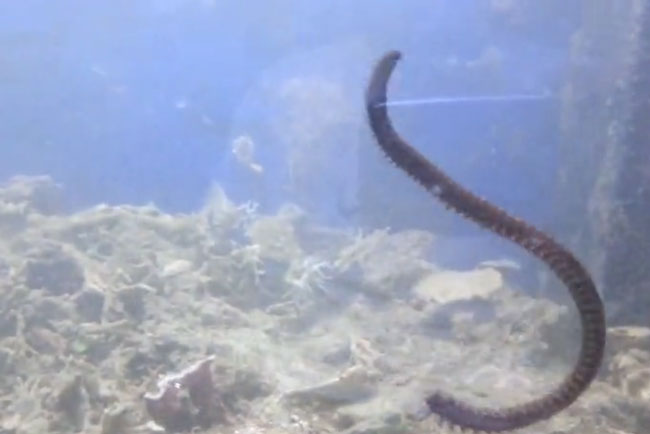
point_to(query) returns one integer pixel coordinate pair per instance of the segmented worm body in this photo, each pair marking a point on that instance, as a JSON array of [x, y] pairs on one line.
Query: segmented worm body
[[560, 260]]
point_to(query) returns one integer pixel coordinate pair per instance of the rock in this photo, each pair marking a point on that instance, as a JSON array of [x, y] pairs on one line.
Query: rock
[[54, 271], [5, 268], [507, 267], [133, 301], [45, 341], [186, 400], [38, 194], [177, 267], [453, 286], [341, 353], [90, 304], [249, 385], [223, 315], [389, 262], [13, 218], [452, 320], [354, 386], [624, 338], [51, 308], [7, 362], [390, 425], [72, 403], [117, 420], [139, 364], [630, 371], [8, 324], [10, 425]]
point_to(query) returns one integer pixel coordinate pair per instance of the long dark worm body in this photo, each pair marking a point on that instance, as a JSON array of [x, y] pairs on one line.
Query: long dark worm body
[[561, 261]]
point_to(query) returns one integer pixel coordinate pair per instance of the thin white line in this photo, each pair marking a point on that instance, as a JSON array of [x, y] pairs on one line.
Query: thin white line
[[468, 99]]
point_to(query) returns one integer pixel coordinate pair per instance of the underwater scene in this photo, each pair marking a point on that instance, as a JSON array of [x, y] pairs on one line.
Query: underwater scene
[[325, 216]]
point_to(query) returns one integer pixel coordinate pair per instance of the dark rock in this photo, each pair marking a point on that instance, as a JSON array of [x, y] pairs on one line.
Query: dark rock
[[8, 324], [54, 271], [90, 304], [132, 299]]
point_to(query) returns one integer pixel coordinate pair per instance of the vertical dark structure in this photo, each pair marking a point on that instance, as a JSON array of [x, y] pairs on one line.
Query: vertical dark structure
[[602, 186], [626, 234]]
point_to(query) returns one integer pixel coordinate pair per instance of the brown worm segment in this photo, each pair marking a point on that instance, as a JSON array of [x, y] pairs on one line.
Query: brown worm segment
[[569, 270]]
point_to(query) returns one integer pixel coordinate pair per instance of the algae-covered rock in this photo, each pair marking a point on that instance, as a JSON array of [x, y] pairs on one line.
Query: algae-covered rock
[[335, 334], [453, 286], [38, 194], [54, 271], [90, 304], [276, 237], [389, 262]]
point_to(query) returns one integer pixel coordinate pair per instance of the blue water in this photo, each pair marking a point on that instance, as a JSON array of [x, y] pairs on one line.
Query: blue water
[[138, 101]]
